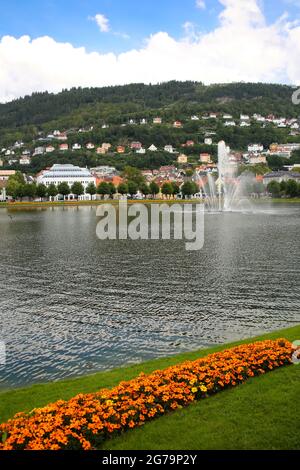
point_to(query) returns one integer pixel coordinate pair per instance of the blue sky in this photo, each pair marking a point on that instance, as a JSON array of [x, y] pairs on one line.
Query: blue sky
[[68, 20], [52, 44]]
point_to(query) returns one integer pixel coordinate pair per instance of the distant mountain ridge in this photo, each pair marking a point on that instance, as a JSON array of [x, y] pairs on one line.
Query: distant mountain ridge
[[84, 106]]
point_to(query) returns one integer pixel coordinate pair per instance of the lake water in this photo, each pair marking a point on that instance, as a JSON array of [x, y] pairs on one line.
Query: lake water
[[71, 304]]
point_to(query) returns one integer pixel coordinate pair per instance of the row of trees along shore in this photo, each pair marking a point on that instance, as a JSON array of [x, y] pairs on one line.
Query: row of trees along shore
[[288, 188], [19, 189]]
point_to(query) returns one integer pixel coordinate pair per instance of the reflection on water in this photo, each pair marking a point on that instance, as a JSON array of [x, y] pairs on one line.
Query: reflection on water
[[71, 304]]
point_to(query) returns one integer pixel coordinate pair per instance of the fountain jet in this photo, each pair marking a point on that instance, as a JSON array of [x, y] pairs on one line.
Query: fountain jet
[[228, 192]]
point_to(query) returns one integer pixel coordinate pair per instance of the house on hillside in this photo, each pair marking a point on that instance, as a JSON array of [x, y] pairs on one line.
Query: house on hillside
[[255, 148], [157, 120], [90, 146], [152, 148], [205, 158], [136, 145], [63, 147], [76, 147], [258, 159], [106, 146], [62, 136], [25, 160], [177, 124], [169, 148], [121, 149], [182, 159], [38, 151]]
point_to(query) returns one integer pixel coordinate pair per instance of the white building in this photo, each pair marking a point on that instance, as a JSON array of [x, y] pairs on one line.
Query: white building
[[169, 148], [255, 148], [76, 147], [25, 160], [230, 124], [152, 148], [259, 118], [69, 174], [102, 171], [141, 151], [39, 151], [90, 146]]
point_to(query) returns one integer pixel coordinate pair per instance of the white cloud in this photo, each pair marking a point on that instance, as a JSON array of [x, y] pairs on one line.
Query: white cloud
[[242, 47], [200, 4], [102, 22]]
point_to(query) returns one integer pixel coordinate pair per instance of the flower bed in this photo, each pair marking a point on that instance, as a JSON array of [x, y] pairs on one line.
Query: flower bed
[[85, 421]]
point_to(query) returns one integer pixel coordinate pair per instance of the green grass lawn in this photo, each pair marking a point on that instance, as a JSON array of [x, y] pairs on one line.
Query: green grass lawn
[[263, 413]]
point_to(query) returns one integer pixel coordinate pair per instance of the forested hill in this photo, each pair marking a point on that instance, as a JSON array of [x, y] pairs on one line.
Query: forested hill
[[80, 107]]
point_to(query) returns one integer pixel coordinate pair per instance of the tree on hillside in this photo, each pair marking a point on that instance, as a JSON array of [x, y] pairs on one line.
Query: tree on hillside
[[189, 172], [133, 174]]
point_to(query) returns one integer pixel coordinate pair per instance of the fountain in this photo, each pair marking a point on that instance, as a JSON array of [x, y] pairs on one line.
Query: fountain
[[227, 193]]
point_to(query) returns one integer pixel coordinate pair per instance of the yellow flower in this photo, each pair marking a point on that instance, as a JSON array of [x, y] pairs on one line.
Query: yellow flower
[[203, 388], [109, 402], [194, 389]]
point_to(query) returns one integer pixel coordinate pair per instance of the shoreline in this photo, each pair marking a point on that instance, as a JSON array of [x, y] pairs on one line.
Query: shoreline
[[37, 204], [45, 204], [26, 398]]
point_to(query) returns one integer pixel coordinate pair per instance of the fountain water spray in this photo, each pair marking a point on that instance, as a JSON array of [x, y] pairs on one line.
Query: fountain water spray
[[228, 192]]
